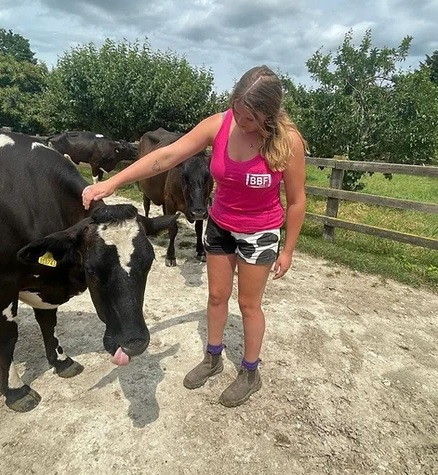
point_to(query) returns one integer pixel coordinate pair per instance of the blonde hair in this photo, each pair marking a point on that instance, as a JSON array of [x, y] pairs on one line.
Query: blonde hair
[[261, 92]]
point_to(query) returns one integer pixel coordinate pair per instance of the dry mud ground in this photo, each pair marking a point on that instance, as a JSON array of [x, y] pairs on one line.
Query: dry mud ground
[[349, 366]]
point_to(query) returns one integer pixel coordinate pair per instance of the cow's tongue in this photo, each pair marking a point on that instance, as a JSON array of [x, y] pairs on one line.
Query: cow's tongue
[[120, 358]]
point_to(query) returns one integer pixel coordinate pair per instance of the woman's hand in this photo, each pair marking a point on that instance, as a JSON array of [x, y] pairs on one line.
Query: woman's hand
[[282, 264], [97, 192]]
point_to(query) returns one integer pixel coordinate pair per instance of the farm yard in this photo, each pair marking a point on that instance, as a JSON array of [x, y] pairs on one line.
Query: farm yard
[[349, 367]]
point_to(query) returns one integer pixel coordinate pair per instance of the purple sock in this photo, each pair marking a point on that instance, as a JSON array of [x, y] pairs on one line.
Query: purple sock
[[215, 349], [250, 366]]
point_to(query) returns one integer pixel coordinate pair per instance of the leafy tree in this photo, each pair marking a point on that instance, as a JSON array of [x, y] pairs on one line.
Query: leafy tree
[[125, 89], [295, 98], [356, 77], [12, 44], [346, 114], [411, 128], [431, 64], [21, 86]]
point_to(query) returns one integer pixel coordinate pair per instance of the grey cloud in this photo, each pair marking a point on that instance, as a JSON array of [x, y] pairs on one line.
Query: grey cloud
[[228, 36]]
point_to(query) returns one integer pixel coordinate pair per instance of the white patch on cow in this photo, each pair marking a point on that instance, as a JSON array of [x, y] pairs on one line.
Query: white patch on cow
[[35, 301], [60, 356], [14, 381], [6, 140], [38, 144], [122, 236], [99, 136], [36, 276], [7, 312], [95, 179]]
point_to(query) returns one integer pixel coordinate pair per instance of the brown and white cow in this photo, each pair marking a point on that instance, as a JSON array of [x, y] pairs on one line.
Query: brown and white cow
[[186, 188], [51, 249]]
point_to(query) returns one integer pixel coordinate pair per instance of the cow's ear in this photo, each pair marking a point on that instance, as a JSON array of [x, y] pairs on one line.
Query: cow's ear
[[55, 249], [154, 226]]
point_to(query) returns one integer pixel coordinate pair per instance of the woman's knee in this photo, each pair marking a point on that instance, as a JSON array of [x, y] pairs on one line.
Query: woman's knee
[[218, 298], [248, 307]]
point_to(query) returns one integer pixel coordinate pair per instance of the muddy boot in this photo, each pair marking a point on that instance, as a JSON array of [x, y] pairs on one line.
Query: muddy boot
[[209, 366], [246, 383]]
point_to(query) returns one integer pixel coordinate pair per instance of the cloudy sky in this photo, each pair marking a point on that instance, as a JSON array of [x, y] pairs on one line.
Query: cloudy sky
[[228, 36]]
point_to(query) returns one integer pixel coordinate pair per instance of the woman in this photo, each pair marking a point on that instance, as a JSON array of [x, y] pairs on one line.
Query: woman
[[255, 147]]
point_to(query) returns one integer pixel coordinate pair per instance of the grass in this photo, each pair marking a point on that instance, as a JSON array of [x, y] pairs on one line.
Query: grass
[[412, 265], [405, 263]]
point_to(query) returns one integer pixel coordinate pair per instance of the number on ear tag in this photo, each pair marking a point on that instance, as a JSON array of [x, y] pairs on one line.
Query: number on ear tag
[[47, 259]]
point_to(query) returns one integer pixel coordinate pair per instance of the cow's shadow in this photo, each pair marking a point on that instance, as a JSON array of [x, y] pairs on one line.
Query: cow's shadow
[[139, 380]]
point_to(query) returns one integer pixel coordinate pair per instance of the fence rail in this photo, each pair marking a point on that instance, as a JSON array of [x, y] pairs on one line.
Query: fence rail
[[335, 195]]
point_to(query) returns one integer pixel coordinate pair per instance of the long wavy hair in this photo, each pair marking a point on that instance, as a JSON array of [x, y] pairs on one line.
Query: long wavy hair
[[261, 92]]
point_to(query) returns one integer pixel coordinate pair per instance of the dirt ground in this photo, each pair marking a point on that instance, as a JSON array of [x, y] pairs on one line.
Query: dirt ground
[[349, 368]]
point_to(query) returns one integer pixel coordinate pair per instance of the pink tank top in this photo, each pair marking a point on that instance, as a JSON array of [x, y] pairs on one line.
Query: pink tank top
[[247, 196]]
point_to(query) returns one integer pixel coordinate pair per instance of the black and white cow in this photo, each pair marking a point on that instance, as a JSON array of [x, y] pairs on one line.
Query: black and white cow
[[101, 152], [51, 249]]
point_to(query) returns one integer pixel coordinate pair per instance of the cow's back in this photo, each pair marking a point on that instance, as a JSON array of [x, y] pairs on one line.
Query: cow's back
[[154, 187], [80, 146], [40, 191]]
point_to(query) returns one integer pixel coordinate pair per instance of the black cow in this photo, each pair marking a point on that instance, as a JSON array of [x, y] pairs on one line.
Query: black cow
[[185, 188], [52, 249], [101, 152]]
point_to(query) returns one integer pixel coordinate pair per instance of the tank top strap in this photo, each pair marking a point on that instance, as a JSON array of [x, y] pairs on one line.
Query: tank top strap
[[221, 138]]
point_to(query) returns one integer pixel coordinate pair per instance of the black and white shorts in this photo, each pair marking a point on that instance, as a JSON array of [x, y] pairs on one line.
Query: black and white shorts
[[254, 248]]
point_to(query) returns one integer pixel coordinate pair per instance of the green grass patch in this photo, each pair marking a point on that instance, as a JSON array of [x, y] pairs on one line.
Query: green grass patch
[[405, 263]]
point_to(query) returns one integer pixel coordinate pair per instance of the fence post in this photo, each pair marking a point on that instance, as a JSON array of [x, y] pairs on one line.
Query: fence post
[[336, 179]]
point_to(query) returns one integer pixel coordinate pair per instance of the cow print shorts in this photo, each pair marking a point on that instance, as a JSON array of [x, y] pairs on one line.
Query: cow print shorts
[[255, 248]]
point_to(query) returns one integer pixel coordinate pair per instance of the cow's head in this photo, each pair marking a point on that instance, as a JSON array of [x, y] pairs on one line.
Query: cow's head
[[111, 254], [127, 150], [197, 185]]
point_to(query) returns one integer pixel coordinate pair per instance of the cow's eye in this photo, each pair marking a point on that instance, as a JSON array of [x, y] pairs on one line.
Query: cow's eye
[[90, 269]]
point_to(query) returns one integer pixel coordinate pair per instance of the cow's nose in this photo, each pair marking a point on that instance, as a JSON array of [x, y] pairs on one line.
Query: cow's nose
[[136, 347], [199, 213]]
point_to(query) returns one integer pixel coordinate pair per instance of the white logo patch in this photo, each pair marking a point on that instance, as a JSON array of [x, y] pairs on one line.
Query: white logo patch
[[122, 236], [258, 180]]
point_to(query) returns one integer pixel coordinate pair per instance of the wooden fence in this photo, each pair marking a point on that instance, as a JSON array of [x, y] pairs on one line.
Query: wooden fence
[[335, 195]]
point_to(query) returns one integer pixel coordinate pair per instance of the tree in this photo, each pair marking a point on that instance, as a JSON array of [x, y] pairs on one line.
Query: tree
[[21, 86], [125, 89], [411, 131], [356, 77], [12, 44], [431, 64], [348, 113]]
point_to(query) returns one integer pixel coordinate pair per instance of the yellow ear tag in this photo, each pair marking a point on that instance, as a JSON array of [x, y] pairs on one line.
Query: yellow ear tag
[[47, 260]]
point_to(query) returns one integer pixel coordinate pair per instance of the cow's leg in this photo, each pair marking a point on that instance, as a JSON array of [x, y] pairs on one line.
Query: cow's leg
[[19, 396], [63, 364], [170, 253], [146, 205], [200, 251], [97, 174], [169, 208]]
